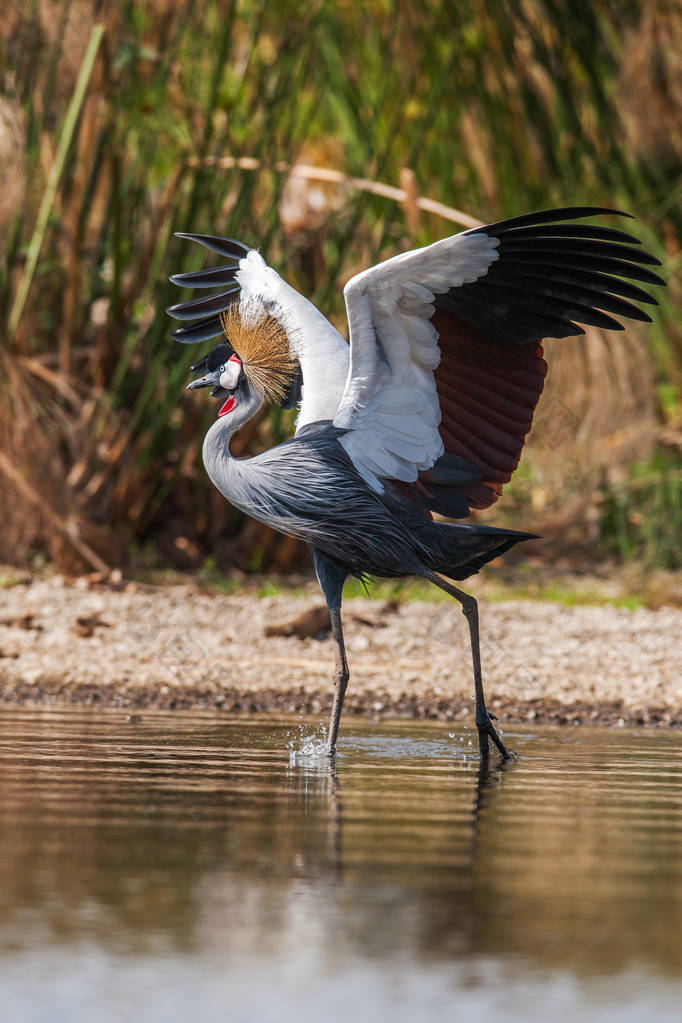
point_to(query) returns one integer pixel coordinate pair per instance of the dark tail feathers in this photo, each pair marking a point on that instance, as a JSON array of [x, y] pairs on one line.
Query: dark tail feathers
[[462, 550]]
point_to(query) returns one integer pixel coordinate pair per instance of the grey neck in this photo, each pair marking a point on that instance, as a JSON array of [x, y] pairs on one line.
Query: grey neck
[[216, 448]]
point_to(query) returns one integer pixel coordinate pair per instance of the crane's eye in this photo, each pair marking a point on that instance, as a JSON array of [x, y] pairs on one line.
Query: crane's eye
[[229, 374]]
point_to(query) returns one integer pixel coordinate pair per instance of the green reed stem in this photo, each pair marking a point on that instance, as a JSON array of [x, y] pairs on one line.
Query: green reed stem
[[55, 174]]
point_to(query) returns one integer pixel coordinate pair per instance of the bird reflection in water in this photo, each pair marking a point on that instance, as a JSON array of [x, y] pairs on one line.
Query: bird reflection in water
[[323, 777]]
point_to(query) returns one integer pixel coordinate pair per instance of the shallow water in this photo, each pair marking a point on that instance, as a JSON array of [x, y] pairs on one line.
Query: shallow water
[[175, 866]]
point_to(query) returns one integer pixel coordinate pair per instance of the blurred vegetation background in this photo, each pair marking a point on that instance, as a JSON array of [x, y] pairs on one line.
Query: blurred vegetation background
[[121, 123]]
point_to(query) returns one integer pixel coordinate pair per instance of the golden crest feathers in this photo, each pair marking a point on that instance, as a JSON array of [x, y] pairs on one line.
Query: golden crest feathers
[[263, 347]]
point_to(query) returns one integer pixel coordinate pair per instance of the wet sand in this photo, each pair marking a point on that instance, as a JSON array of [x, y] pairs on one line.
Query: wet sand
[[177, 647]]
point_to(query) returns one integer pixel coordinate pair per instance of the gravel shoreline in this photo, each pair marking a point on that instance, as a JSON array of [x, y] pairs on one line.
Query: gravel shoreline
[[177, 647]]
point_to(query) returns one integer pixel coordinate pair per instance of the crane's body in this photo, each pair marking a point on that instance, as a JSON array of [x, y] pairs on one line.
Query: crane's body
[[426, 411], [328, 504]]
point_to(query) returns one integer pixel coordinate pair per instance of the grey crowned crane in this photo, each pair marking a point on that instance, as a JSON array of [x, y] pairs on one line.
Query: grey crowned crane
[[426, 410]]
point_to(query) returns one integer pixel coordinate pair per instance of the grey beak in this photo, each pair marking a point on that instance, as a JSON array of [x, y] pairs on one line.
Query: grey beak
[[210, 380]]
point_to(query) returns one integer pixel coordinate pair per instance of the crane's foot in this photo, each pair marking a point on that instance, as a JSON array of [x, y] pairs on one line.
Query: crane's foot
[[486, 732]]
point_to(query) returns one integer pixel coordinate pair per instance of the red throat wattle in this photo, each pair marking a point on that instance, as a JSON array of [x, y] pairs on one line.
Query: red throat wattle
[[228, 406]]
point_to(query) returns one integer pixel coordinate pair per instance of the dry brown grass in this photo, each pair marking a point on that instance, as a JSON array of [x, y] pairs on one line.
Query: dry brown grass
[[12, 163], [650, 82]]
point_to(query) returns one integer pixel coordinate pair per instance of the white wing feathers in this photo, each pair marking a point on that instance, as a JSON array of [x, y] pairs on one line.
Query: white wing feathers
[[390, 403], [320, 349]]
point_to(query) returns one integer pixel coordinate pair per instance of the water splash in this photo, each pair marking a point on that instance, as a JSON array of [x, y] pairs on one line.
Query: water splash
[[305, 746], [464, 743]]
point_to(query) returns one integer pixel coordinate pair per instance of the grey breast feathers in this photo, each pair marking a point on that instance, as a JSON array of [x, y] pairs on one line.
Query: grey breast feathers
[[308, 487]]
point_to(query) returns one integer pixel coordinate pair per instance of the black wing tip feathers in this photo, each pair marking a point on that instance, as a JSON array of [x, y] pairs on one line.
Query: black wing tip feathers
[[217, 243], [212, 277], [551, 216], [198, 332], [582, 231], [206, 329], [198, 307], [550, 277], [578, 246]]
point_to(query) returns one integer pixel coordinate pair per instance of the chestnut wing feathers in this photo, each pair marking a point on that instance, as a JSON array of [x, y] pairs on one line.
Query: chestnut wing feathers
[[530, 278]]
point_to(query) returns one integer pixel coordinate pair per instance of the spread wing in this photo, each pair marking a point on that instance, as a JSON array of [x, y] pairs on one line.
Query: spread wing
[[248, 280], [446, 347]]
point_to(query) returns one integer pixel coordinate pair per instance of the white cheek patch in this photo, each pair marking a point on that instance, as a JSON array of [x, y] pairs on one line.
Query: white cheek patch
[[230, 375]]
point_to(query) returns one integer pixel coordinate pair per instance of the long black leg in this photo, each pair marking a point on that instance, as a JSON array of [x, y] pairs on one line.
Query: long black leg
[[331, 578], [341, 676], [484, 723]]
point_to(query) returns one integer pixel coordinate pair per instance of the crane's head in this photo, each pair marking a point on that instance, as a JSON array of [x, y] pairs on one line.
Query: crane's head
[[253, 363], [223, 372]]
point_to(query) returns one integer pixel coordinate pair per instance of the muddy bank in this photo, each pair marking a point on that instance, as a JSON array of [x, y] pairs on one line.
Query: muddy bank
[[177, 647]]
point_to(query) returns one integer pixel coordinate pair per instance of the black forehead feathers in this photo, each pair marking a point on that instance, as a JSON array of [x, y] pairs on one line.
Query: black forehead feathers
[[216, 357]]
